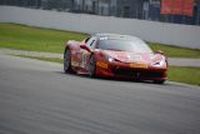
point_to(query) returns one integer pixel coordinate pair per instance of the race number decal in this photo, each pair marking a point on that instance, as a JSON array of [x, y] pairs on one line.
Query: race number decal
[[84, 59]]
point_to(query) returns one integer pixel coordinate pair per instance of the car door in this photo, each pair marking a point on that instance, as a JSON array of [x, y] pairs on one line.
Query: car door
[[76, 53], [85, 55]]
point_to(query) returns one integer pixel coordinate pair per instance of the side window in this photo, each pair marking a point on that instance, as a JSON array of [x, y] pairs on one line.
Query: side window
[[91, 42], [86, 40]]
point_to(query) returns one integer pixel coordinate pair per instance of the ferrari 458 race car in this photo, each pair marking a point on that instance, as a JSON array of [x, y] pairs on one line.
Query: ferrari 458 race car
[[115, 56]]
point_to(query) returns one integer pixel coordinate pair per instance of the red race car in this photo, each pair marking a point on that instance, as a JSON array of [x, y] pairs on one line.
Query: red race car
[[113, 55]]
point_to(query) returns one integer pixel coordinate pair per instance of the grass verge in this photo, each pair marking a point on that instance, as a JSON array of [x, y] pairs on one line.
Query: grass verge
[[188, 75], [23, 37], [35, 39], [173, 51]]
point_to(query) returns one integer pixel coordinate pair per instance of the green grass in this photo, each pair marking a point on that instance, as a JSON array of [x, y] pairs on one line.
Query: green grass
[[35, 39], [189, 75], [23, 37], [173, 51]]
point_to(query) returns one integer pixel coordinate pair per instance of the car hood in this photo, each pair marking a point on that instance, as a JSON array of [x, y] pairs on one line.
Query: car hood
[[132, 57]]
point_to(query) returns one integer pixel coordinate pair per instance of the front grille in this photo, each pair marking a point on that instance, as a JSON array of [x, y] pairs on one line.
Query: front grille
[[124, 72], [138, 74], [152, 74]]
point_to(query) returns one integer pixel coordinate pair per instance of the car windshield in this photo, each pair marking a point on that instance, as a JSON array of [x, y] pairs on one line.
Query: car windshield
[[138, 46]]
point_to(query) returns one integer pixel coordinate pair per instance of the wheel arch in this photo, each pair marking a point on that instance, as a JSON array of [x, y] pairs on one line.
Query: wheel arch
[[67, 46]]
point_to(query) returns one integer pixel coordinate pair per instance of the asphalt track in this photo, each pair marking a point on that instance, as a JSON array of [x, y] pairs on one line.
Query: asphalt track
[[38, 98]]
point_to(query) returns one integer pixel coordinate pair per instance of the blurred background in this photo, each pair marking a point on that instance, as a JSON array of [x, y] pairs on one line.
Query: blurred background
[[171, 11]]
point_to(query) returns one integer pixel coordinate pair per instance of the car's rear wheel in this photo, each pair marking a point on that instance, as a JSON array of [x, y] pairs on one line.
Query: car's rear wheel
[[159, 81], [67, 61], [92, 67]]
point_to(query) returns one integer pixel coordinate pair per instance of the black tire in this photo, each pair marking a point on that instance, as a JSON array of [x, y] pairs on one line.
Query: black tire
[[159, 81], [67, 61], [92, 67]]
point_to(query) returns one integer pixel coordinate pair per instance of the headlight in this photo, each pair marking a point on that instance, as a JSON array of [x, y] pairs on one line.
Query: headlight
[[109, 58], [159, 63]]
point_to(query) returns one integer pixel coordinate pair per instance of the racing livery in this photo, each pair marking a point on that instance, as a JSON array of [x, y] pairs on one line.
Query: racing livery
[[113, 55]]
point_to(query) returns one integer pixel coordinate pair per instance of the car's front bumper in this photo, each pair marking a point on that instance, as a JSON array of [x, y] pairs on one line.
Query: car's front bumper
[[129, 71]]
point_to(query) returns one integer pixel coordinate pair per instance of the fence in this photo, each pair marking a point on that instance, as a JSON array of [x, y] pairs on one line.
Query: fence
[[173, 34]]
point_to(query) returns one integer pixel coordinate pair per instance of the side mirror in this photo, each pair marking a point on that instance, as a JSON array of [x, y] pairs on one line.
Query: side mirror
[[83, 46], [159, 52]]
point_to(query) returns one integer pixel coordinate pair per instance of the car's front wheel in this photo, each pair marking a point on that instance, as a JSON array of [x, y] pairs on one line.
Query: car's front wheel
[[92, 67], [67, 61]]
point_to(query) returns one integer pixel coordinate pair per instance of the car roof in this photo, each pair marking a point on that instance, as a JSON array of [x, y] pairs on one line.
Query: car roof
[[115, 36]]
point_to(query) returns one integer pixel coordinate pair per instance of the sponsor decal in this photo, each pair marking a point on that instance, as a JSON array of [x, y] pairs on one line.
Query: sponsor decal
[[103, 38], [136, 57], [102, 64], [74, 63], [138, 65]]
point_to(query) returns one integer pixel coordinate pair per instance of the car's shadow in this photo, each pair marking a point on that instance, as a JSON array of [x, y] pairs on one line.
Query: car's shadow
[[110, 79]]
